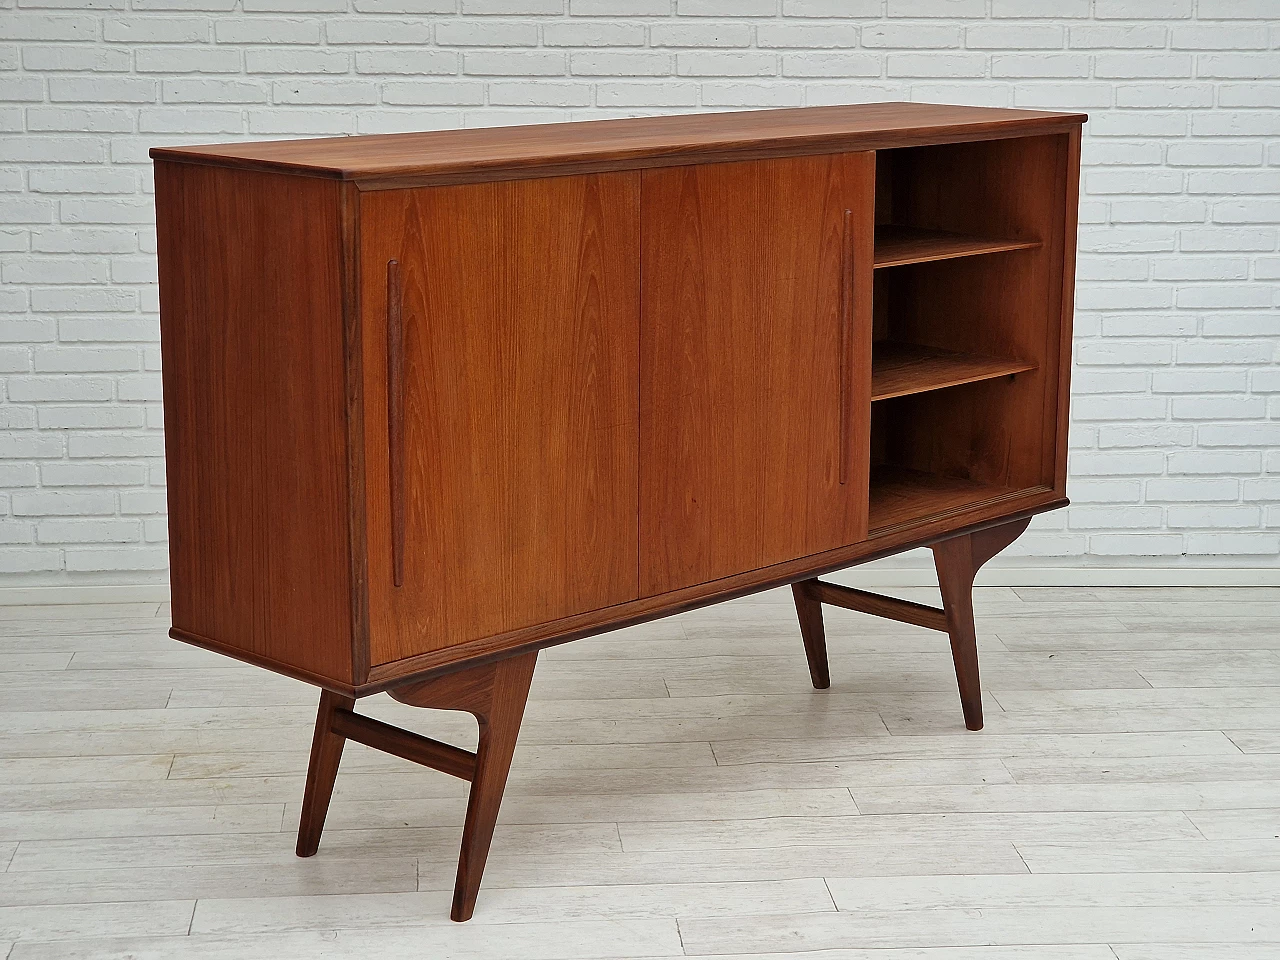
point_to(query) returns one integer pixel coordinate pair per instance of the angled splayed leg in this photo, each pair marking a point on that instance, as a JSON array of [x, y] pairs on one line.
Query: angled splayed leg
[[809, 611], [326, 753], [958, 561], [495, 693]]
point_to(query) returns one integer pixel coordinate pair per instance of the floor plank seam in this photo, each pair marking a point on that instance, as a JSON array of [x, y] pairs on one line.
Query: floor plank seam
[[830, 896], [1025, 866], [1234, 744]]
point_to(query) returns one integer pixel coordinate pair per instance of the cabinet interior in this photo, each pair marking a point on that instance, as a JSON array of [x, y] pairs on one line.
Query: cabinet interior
[[966, 321]]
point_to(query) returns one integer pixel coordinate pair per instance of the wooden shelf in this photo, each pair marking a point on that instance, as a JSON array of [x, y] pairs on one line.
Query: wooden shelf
[[897, 245], [900, 495], [898, 369]]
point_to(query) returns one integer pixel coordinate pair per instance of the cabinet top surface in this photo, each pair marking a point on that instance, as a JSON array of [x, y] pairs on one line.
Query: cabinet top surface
[[504, 152]]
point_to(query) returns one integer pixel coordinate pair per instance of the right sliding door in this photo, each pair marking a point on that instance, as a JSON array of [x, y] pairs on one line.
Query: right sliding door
[[974, 246], [754, 364]]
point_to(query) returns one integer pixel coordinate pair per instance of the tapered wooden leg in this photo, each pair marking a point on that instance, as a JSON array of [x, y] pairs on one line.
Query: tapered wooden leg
[[809, 612], [498, 732], [496, 694], [326, 753], [958, 561]]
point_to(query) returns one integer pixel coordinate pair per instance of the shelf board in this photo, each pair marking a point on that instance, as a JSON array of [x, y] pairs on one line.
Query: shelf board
[[898, 369], [897, 245], [901, 495]]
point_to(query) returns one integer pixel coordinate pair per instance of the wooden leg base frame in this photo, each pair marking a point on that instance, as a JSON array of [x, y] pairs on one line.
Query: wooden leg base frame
[[495, 693], [958, 560]]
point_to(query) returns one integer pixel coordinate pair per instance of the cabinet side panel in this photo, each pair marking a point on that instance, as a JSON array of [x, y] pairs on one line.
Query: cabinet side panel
[[1061, 415], [252, 347]]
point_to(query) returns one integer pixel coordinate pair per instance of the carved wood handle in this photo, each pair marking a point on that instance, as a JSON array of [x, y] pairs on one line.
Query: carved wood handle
[[395, 417], [846, 336]]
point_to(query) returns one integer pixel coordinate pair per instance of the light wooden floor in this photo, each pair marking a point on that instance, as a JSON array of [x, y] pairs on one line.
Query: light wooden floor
[[679, 790]]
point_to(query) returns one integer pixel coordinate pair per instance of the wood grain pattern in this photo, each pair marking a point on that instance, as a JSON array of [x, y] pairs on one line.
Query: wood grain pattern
[[402, 159], [253, 391], [741, 365], [520, 319], [897, 245], [898, 369]]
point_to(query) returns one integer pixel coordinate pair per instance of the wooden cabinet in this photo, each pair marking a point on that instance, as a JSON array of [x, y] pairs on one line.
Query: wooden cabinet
[[755, 364], [435, 401]]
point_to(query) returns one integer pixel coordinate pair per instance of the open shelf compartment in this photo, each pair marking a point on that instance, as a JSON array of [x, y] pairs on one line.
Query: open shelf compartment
[[898, 244], [964, 346]]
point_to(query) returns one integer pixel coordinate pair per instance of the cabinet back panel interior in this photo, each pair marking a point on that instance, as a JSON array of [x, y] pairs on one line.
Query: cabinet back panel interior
[[519, 308], [255, 435]]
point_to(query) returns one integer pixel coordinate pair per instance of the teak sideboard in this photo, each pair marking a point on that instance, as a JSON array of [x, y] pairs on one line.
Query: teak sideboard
[[436, 400]]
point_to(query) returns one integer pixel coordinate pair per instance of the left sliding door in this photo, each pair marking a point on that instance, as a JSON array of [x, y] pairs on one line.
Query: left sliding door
[[501, 346]]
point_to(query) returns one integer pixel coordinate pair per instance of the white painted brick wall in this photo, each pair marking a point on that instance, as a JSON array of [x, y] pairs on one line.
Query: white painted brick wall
[[1176, 440]]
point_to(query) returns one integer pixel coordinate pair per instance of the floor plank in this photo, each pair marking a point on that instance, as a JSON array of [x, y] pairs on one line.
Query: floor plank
[[23, 825], [1167, 856], [914, 828], [515, 905], [585, 940], [720, 864], [925, 926], [77, 921], [123, 884]]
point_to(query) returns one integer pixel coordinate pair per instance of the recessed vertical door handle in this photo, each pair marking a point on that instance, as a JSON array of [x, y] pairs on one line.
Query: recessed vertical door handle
[[846, 339], [395, 417]]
